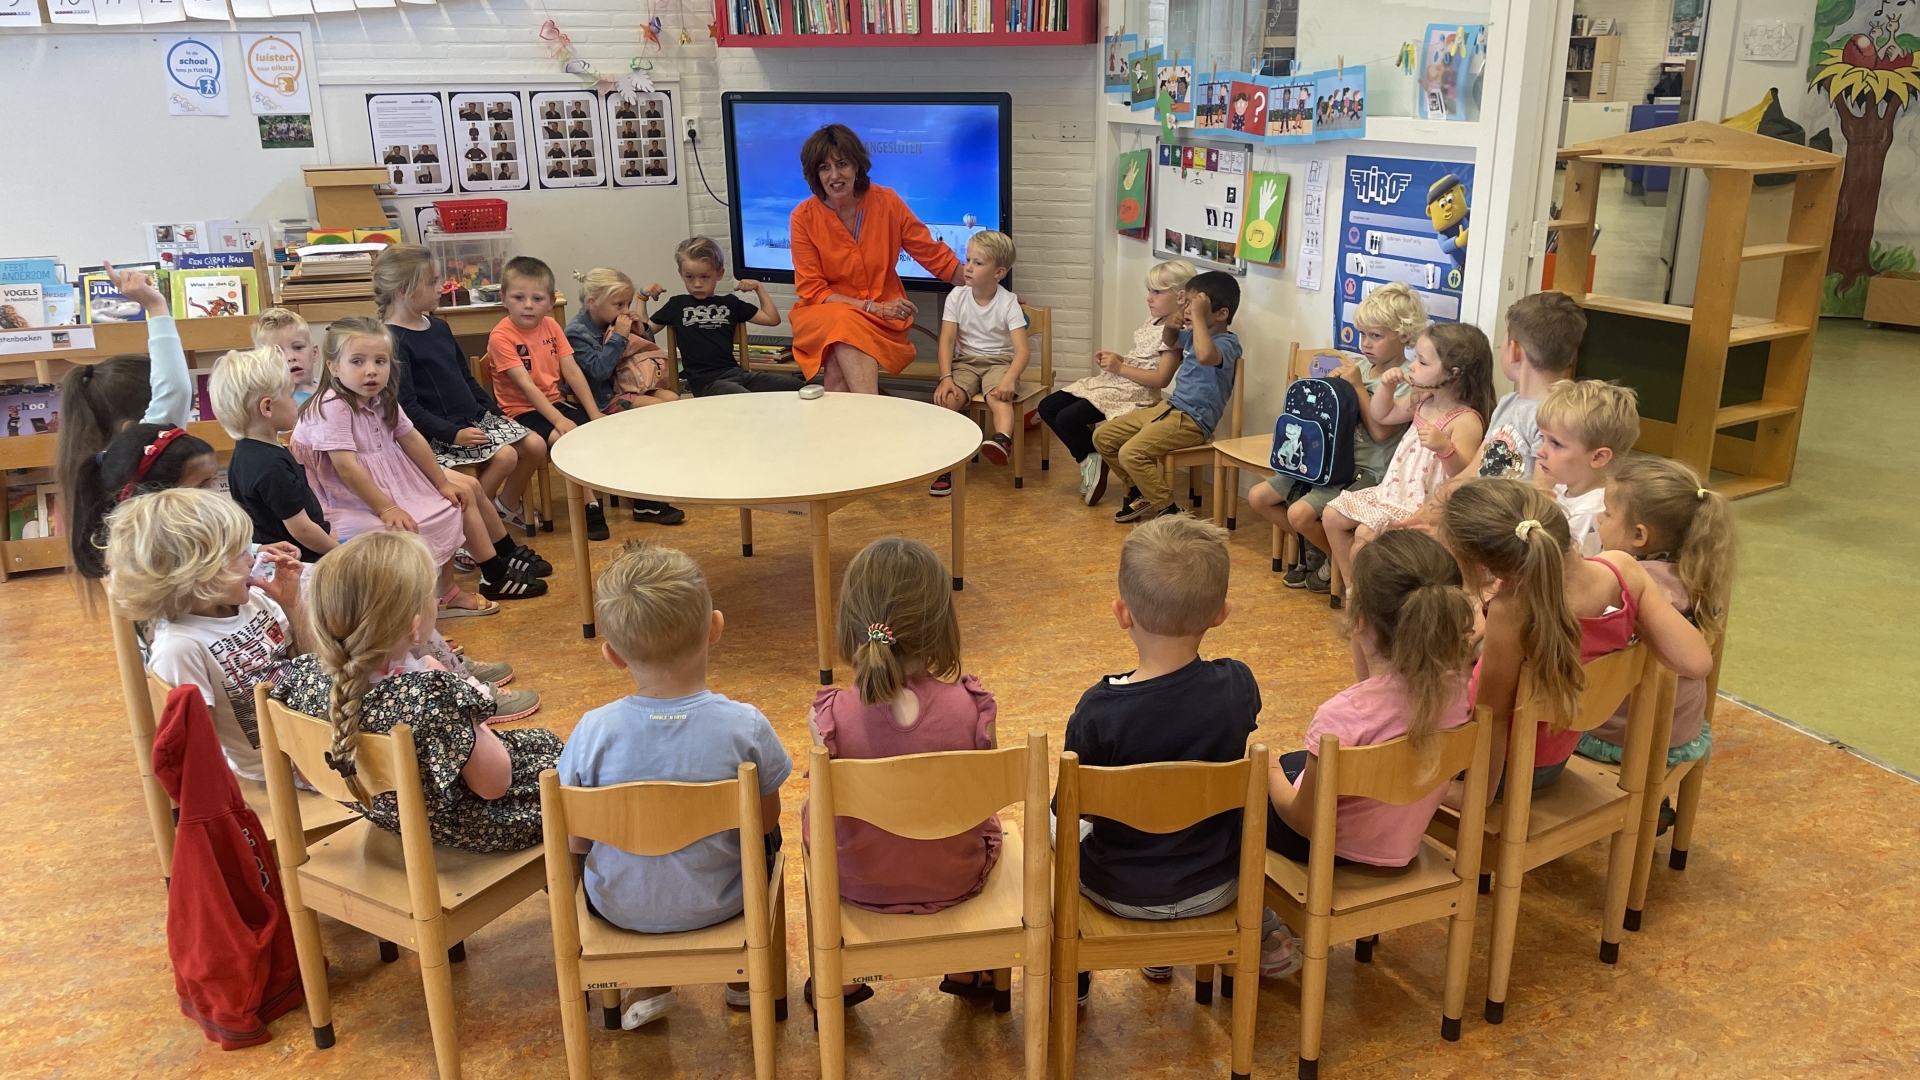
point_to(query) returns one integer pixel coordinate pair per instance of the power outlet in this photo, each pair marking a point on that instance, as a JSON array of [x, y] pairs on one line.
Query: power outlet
[[690, 130]]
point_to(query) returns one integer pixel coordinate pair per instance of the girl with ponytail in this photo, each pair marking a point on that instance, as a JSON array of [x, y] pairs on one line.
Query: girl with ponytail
[[1411, 627], [1681, 533], [898, 629], [372, 600], [1553, 609]]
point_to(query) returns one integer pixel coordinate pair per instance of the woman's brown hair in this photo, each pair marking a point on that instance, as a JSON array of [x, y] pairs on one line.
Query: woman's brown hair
[[896, 606], [1513, 531], [835, 140], [1407, 589], [1692, 520]]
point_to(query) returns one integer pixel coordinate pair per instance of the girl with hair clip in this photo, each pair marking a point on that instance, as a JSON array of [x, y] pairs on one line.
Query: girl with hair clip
[[1681, 533], [371, 600], [607, 334], [1452, 378], [897, 627], [1552, 608], [373, 470]]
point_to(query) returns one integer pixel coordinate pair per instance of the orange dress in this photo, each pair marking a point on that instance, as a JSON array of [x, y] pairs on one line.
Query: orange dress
[[827, 259]]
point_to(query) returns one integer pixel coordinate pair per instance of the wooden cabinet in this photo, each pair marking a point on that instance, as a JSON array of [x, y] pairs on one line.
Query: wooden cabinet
[[1593, 67]]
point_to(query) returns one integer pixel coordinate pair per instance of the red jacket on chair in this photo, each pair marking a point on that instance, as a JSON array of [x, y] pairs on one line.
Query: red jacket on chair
[[234, 965]]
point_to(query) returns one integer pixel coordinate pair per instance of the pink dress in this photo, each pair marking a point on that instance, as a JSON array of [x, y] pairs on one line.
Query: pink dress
[[1411, 477], [333, 424], [892, 874]]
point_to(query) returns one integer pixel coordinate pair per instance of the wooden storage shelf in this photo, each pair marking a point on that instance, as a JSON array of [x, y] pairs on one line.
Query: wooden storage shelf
[[1081, 29], [1732, 160], [44, 553]]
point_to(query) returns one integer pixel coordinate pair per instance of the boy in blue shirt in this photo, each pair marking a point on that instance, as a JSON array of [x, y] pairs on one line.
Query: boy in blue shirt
[[653, 606], [1204, 352]]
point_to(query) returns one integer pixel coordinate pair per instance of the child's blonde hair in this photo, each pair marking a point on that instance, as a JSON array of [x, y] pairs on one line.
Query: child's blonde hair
[[1173, 575], [1394, 308], [341, 333], [172, 549], [1172, 274], [701, 249], [601, 282], [653, 604], [397, 270], [996, 246], [1692, 520], [240, 379], [1602, 414], [361, 607], [273, 320], [896, 605], [1407, 588], [1513, 531]]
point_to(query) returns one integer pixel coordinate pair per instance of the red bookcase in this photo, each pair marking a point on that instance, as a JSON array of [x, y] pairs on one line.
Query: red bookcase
[[1081, 15]]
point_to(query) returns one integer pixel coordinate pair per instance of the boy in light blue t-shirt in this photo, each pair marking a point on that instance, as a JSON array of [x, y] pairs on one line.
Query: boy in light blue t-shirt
[[654, 607]]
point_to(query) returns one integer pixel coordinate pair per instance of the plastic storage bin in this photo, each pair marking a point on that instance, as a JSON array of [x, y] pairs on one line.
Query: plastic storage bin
[[471, 259]]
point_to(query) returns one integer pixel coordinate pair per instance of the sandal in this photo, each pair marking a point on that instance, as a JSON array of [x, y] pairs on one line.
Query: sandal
[[863, 993], [448, 611], [980, 989]]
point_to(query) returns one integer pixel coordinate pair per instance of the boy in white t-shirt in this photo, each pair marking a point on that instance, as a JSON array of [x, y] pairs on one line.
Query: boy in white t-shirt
[[983, 346], [1585, 427]]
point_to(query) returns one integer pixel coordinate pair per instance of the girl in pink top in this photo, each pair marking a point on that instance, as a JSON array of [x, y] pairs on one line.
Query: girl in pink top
[[372, 470], [1411, 627], [897, 627], [1553, 609]]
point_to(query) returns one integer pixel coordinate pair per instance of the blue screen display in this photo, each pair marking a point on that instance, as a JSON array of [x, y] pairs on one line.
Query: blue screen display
[[943, 158]]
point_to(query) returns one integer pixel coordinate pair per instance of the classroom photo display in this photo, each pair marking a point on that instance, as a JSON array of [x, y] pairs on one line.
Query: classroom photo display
[[409, 133], [639, 136], [568, 139], [489, 140]]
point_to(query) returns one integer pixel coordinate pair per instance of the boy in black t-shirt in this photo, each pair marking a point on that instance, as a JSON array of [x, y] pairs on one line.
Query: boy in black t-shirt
[[703, 324], [252, 392], [1173, 706]]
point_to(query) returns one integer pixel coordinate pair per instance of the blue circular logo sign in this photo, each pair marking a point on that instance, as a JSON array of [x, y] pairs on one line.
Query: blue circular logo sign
[[195, 65]]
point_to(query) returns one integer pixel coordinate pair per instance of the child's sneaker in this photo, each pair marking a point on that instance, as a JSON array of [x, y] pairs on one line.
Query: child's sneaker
[[499, 673], [1093, 479], [998, 450], [657, 513], [1320, 581], [738, 999], [1299, 574], [1139, 508], [596, 522], [1158, 974], [647, 1010], [514, 585], [1086, 985], [509, 705], [942, 486], [1280, 954], [525, 559]]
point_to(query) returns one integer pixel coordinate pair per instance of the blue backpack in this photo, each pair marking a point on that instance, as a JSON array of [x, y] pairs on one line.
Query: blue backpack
[[1313, 438]]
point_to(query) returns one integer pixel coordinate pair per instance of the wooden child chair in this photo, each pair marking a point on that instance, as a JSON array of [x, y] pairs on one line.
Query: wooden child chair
[[656, 818], [1359, 903], [1525, 830], [1193, 458], [400, 888], [929, 797], [541, 518], [1681, 783], [1159, 798], [1034, 385]]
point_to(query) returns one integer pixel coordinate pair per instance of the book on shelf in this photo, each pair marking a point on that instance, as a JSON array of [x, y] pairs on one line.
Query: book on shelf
[[21, 305], [29, 409], [105, 303], [756, 17], [207, 294], [61, 303], [820, 16], [42, 270], [890, 16]]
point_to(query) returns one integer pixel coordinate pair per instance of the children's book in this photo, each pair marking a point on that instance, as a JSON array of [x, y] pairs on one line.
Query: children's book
[[106, 303], [207, 294], [21, 305], [216, 260], [61, 303], [42, 271]]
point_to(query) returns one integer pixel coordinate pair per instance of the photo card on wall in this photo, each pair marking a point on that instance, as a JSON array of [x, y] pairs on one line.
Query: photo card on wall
[[568, 136], [409, 133], [489, 132], [641, 137]]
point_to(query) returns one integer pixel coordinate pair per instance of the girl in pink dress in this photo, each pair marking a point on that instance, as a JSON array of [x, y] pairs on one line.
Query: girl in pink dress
[[1452, 376], [898, 629], [372, 470]]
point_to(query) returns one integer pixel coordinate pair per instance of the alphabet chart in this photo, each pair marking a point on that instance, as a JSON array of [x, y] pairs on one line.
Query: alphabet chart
[[1199, 203]]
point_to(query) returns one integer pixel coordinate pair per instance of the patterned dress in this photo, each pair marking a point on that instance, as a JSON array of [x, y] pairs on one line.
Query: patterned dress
[[442, 710], [1114, 394]]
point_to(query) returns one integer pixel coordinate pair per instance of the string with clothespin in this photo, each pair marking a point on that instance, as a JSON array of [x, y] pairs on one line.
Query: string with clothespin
[[637, 80]]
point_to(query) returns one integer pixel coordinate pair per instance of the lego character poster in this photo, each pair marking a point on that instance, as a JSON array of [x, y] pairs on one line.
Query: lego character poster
[[1402, 220]]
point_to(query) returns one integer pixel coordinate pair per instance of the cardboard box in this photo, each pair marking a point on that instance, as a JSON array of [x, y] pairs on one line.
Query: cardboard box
[[1894, 297]]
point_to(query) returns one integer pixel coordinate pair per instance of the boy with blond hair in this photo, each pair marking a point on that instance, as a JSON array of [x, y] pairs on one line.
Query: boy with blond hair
[[252, 391], [658, 619], [1585, 427], [288, 331], [1173, 706], [983, 345]]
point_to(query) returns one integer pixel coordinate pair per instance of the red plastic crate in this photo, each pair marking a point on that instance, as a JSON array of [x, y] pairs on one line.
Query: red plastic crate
[[471, 215]]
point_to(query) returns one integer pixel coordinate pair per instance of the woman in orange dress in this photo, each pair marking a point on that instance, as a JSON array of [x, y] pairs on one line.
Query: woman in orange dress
[[852, 315]]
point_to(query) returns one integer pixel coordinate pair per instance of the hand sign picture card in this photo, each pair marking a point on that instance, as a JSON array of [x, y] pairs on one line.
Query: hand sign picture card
[[1263, 232]]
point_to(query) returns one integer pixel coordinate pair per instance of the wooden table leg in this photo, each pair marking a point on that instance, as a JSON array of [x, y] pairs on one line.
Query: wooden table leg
[[1219, 492], [582, 561], [746, 533], [959, 500], [822, 589]]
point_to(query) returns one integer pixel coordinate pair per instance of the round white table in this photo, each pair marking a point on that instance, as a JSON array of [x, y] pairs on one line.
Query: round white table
[[766, 451]]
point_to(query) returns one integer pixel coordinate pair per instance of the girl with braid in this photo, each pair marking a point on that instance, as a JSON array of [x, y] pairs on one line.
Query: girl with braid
[[371, 600]]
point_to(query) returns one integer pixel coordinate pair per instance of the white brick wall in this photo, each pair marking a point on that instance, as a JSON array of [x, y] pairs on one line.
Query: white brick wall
[[1642, 26]]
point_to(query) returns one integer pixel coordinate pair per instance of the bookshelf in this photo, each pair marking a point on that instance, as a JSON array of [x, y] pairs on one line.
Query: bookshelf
[[1593, 65], [851, 19]]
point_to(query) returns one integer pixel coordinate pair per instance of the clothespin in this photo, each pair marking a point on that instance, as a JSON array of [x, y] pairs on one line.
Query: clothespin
[[1340, 62]]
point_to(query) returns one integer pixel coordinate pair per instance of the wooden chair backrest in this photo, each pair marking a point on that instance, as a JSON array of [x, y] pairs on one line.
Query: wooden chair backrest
[[482, 371], [932, 796], [672, 347], [1040, 323], [656, 817], [1160, 798], [157, 691], [307, 739], [1300, 361], [1610, 679], [1391, 771]]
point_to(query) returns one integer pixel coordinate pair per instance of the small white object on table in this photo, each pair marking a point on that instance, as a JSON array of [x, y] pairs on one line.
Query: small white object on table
[[767, 451]]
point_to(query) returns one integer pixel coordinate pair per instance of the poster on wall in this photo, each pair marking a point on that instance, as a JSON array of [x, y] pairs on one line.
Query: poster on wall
[[196, 75], [1263, 232], [1210, 99], [567, 134], [1199, 201], [1402, 220], [1247, 107], [409, 133], [640, 132], [276, 68], [490, 141], [1130, 193]]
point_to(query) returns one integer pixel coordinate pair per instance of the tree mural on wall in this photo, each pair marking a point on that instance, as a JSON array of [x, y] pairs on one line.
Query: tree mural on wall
[[1868, 75]]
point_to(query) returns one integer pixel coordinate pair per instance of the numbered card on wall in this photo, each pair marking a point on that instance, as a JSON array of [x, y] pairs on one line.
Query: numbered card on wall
[[71, 12], [155, 12], [566, 139], [196, 74], [19, 13], [409, 134], [116, 12], [249, 9], [489, 141], [640, 138], [215, 10]]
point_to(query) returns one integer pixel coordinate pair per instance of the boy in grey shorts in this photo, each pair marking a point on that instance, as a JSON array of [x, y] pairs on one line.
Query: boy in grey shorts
[[983, 346]]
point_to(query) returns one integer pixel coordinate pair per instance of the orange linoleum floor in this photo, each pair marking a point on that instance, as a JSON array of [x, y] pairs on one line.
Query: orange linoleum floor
[[1788, 948]]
